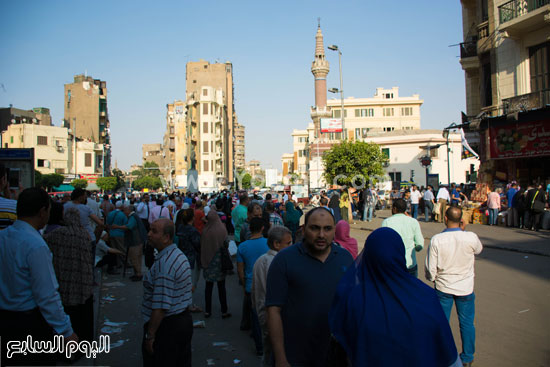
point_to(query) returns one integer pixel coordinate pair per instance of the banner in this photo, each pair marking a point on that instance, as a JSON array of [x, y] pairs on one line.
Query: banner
[[467, 151], [331, 125], [520, 140]]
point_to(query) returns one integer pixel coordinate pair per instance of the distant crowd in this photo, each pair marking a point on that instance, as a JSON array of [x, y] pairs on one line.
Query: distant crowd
[[310, 298]]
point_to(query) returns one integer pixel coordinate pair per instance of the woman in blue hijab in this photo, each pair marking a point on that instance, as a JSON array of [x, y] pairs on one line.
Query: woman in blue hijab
[[382, 316]]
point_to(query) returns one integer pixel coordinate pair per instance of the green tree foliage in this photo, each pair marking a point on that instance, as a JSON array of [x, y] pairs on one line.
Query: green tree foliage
[[119, 175], [247, 181], [149, 169], [38, 179], [107, 183], [79, 183], [51, 180], [149, 182], [349, 160]]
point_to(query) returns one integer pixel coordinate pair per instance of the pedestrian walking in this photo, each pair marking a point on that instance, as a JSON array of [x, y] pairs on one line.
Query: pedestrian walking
[[429, 202], [416, 195], [512, 213], [342, 237], [29, 301], [382, 316], [73, 263], [292, 218], [278, 239], [369, 200], [239, 215], [168, 327], [134, 238], [189, 242], [213, 240], [493, 205], [301, 283], [450, 265], [248, 252], [443, 198], [345, 206], [409, 230]]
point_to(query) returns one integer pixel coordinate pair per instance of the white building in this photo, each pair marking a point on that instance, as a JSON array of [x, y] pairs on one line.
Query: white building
[[50, 145], [271, 176]]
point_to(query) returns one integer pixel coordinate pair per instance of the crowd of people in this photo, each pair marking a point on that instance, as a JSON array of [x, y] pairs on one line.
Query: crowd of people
[[308, 296]]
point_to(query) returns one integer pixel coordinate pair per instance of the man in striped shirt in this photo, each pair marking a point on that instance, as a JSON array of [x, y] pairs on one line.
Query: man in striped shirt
[[166, 297]]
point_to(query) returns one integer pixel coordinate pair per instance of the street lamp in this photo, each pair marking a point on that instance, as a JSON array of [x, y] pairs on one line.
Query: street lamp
[[446, 136], [335, 90]]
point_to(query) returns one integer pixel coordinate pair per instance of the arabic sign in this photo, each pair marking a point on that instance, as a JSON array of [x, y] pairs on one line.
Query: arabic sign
[[520, 140], [331, 125]]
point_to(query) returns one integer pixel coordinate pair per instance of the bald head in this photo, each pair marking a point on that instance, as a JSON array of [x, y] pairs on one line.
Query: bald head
[[161, 233], [454, 214]]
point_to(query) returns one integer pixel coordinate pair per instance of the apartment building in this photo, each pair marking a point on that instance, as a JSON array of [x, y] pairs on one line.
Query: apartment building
[[86, 113], [152, 153], [505, 56], [12, 115], [239, 146]]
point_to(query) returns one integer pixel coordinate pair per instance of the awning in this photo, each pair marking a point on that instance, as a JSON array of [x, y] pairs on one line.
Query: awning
[[63, 188]]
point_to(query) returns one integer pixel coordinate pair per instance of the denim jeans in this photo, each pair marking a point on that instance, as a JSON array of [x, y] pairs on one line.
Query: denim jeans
[[367, 212], [428, 208], [465, 308], [493, 216], [414, 210]]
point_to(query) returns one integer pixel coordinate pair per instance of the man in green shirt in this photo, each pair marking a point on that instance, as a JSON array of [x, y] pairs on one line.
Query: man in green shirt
[[239, 215], [409, 230]]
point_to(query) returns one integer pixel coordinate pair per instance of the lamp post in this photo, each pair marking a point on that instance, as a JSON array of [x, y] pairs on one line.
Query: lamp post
[[335, 90], [446, 136]]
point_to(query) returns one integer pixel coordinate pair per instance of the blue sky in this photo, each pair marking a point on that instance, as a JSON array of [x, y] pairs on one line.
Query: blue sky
[[141, 48]]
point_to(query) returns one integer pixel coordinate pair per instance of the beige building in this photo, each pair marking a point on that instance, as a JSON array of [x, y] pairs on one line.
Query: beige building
[[386, 111], [152, 153], [51, 145], [253, 168], [505, 54], [37, 116], [86, 112], [200, 131], [287, 161], [239, 146]]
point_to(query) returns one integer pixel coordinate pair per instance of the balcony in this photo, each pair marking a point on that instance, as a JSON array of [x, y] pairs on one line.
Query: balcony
[[483, 30], [522, 16], [468, 49], [526, 102]]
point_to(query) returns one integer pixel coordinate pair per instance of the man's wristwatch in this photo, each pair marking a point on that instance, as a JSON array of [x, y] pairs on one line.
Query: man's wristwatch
[[149, 336]]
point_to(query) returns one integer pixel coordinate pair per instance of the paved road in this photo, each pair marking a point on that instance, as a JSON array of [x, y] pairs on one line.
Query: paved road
[[512, 306]]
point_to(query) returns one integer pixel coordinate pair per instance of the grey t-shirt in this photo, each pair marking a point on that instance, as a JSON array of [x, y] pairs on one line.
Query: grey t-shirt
[[85, 212]]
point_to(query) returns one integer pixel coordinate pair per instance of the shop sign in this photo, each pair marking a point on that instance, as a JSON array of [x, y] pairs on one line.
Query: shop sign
[[520, 140]]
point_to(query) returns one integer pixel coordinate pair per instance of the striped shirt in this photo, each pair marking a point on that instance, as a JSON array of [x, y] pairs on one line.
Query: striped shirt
[[275, 220], [7, 212], [167, 285]]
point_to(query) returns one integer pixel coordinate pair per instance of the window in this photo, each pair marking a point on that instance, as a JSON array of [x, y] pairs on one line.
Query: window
[[388, 111], [205, 108], [40, 163], [386, 152], [212, 147], [24, 139], [406, 111], [365, 132], [486, 86], [357, 133], [171, 130], [87, 159], [205, 147], [194, 82], [539, 67], [11, 139], [205, 168], [172, 143], [388, 95], [205, 92], [205, 127], [364, 112], [433, 152], [389, 128], [338, 113], [60, 171], [395, 176], [41, 140]]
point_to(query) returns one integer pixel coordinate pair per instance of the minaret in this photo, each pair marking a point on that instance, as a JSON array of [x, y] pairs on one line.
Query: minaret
[[319, 69]]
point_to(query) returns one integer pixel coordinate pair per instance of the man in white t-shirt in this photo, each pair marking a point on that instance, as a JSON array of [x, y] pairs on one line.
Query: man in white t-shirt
[[450, 265], [415, 200]]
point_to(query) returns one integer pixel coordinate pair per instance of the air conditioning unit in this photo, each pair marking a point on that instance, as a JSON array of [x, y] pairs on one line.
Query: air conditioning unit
[[60, 149]]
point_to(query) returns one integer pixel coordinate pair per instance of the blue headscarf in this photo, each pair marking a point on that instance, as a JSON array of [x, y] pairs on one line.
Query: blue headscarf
[[383, 316]]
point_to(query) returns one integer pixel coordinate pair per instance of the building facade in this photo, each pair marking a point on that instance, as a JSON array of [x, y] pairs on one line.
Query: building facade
[[152, 153], [239, 146], [37, 116], [86, 113], [505, 56]]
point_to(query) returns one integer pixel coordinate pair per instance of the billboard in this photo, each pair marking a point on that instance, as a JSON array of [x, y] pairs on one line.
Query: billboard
[[331, 125], [520, 140]]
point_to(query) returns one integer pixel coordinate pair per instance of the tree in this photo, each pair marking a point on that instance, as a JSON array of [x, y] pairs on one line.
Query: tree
[[79, 183], [52, 180], [353, 161], [147, 182], [119, 175], [107, 183], [151, 169], [247, 181], [38, 180]]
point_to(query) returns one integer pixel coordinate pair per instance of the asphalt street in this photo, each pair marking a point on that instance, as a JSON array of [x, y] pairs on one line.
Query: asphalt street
[[512, 289]]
